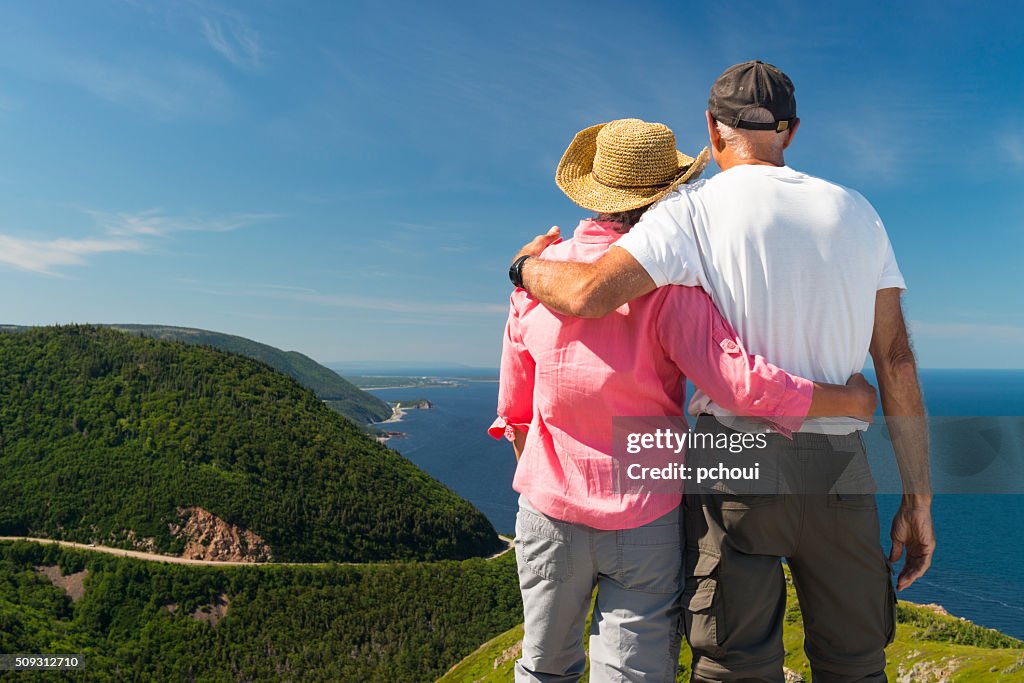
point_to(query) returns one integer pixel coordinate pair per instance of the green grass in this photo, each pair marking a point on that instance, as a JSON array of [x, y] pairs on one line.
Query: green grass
[[923, 637]]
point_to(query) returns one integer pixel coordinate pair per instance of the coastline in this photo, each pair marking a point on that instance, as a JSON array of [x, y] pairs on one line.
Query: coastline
[[439, 385], [397, 413]]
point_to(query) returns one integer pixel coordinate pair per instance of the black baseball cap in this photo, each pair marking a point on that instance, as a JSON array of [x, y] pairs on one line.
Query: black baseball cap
[[751, 85]]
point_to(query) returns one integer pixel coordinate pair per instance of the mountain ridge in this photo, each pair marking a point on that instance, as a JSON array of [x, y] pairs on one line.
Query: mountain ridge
[[340, 394], [105, 435]]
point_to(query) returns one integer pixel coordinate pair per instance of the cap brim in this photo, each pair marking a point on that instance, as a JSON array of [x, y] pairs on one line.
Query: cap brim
[[576, 179]]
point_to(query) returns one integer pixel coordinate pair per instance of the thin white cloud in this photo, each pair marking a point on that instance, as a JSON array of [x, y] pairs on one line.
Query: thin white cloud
[[233, 38], [116, 232], [225, 30], [398, 305], [869, 150], [886, 129], [167, 88], [49, 256], [167, 84], [171, 85], [348, 301], [253, 315], [153, 223]]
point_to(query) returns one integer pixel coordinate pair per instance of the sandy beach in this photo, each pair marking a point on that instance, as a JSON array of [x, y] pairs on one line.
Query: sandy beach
[[397, 413]]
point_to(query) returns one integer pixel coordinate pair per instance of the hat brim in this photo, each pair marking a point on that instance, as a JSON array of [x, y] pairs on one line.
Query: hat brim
[[575, 177]]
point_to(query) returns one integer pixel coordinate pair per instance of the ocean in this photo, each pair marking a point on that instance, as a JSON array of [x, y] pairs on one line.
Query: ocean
[[978, 569]]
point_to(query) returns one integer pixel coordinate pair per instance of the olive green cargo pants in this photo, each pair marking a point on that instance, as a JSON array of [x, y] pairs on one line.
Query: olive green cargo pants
[[814, 505]]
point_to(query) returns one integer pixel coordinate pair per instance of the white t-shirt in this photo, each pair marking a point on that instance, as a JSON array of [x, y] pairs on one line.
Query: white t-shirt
[[792, 261]]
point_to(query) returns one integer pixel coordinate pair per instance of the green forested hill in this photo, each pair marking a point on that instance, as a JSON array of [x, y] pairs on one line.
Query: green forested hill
[[335, 390], [338, 392], [137, 621], [104, 435]]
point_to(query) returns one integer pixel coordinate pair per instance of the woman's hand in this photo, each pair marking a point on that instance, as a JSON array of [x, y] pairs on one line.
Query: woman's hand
[[864, 397], [857, 399], [519, 443]]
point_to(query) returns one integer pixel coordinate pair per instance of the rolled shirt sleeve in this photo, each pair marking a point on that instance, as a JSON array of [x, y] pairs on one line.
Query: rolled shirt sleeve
[[515, 388], [703, 344]]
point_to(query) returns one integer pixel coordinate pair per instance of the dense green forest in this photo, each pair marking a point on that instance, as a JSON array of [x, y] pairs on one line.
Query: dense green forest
[[338, 392], [403, 622], [103, 433], [335, 390]]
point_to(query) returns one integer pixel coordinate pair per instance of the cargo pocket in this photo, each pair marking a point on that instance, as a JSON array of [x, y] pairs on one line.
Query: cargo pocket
[[854, 487], [890, 606], [852, 501], [702, 604], [746, 502], [542, 546]]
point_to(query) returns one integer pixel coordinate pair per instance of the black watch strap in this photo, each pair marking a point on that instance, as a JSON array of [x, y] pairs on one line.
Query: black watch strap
[[515, 272]]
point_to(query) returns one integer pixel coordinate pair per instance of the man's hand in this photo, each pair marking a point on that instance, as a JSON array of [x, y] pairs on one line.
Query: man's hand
[[912, 530], [584, 290], [865, 397], [896, 370], [539, 243]]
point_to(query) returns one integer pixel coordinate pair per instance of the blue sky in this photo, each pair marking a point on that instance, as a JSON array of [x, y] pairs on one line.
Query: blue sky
[[350, 180]]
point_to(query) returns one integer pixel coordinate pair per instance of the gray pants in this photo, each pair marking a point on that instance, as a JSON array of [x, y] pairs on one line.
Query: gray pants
[[735, 597], [635, 631]]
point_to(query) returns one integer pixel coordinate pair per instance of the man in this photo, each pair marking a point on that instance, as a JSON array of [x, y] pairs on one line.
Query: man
[[804, 271]]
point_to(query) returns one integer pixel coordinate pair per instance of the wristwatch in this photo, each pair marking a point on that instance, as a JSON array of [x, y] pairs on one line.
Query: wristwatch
[[515, 271]]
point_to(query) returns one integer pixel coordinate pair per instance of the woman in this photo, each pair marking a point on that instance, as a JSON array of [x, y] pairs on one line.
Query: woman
[[563, 379]]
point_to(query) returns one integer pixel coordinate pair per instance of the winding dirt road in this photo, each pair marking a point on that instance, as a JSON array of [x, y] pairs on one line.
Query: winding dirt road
[[173, 559]]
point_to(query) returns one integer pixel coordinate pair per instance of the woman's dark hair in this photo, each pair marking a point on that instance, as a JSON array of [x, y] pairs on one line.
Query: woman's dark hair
[[626, 219]]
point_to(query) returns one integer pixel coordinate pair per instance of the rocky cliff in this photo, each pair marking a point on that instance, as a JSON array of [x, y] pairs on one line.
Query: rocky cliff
[[207, 537]]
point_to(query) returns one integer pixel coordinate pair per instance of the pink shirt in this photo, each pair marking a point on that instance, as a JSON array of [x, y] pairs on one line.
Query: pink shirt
[[564, 378]]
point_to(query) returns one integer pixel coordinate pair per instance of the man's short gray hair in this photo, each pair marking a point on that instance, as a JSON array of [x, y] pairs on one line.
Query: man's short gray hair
[[764, 145]]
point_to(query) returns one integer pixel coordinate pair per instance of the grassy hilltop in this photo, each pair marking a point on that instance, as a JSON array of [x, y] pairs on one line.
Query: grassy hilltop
[[930, 647], [105, 435]]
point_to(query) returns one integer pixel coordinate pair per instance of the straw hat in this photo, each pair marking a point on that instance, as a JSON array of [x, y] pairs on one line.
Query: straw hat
[[623, 165]]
